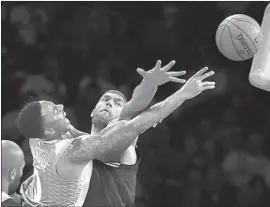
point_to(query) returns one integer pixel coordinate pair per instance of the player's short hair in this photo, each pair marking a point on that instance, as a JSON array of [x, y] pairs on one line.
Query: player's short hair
[[30, 120], [117, 92]]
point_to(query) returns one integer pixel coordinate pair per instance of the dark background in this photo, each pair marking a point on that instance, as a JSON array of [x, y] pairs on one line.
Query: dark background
[[213, 151]]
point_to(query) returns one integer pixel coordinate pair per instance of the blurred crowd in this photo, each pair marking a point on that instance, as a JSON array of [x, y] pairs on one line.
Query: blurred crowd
[[213, 151]]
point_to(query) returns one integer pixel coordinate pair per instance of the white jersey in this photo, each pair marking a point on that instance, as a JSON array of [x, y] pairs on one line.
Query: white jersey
[[45, 187]]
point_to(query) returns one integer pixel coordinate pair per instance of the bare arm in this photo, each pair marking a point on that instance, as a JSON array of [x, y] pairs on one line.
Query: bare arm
[[159, 111], [141, 98], [113, 139], [145, 91], [117, 137]]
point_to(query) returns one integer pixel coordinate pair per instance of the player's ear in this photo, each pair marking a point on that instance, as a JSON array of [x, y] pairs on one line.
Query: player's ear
[[12, 174]]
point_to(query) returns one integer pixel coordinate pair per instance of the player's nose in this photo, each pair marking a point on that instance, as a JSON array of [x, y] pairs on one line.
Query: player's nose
[[109, 103]]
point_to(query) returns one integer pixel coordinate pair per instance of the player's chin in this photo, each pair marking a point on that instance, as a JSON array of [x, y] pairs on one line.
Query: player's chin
[[101, 120]]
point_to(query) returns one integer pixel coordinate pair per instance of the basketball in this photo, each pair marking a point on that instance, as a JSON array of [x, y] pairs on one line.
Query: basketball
[[238, 37]]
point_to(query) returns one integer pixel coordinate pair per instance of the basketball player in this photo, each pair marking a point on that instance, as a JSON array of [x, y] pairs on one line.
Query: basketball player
[[61, 176], [113, 183], [63, 167], [12, 170]]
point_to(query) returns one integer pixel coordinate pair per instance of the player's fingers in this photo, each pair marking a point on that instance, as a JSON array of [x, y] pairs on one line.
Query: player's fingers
[[141, 72], [208, 87], [200, 72], [158, 65], [168, 66], [176, 73], [206, 75], [177, 80], [208, 83]]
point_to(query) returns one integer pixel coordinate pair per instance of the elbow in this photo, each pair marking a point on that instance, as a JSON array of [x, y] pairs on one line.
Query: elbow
[[259, 80]]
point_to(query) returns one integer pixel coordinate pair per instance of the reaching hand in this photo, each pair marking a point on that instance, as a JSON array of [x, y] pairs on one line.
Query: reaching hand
[[160, 75], [195, 85]]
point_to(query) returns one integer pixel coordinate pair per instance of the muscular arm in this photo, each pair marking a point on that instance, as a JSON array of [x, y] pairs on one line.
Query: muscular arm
[[119, 136], [141, 98], [144, 93], [157, 112], [193, 87], [113, 139]]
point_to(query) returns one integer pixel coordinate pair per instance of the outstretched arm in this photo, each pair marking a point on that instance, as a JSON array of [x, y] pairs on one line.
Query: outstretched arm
[[145, 91], [113, 139], [117, 137], [159, 111]]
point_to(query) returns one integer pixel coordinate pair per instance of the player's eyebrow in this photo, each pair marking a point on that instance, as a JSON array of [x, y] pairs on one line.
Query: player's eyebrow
[[119, 99], [106, 96]]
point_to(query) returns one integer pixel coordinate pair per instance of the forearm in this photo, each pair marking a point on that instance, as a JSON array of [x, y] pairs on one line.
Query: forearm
[[113, 139], [157, 112], [141, 98]]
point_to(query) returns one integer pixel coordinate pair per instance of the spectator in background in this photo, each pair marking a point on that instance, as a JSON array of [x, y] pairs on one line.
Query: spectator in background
[[241, 165], [194, 189], [255, 194], [12, 170]]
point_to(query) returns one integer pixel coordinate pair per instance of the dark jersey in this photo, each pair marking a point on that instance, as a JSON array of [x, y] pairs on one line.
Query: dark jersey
[[10, 203], [112, 185], [7, 201]]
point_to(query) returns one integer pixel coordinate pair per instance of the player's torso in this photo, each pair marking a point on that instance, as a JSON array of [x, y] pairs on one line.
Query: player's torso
[[46, 186], [112, 184]]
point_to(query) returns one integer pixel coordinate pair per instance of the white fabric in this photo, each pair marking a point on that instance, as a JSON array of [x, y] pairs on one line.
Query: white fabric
[[5, 196]]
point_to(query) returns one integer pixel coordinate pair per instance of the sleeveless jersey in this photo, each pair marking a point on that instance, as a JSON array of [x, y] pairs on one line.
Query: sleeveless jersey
[[112, 184], [45, 187]]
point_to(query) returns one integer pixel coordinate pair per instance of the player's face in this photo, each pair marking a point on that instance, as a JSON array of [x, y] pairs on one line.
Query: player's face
[[54, 117], [108, 108], [15, 183]]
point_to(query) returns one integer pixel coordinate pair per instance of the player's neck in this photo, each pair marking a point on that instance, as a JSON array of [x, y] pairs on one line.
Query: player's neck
[[95, 129]]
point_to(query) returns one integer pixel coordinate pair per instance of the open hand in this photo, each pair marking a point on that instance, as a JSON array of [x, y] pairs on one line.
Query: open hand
[[195, 85], [160, 75]]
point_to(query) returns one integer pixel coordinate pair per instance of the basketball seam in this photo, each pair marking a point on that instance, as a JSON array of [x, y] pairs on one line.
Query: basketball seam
[[234, 44], [221, 36], [241, 20], [221, 33], [246, 35], [232, 39]]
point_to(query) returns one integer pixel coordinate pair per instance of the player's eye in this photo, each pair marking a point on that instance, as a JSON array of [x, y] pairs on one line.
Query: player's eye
[[119, 103]]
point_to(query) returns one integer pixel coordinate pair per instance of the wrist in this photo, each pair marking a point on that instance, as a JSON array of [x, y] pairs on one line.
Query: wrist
[[182, 95], [149, 82]]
